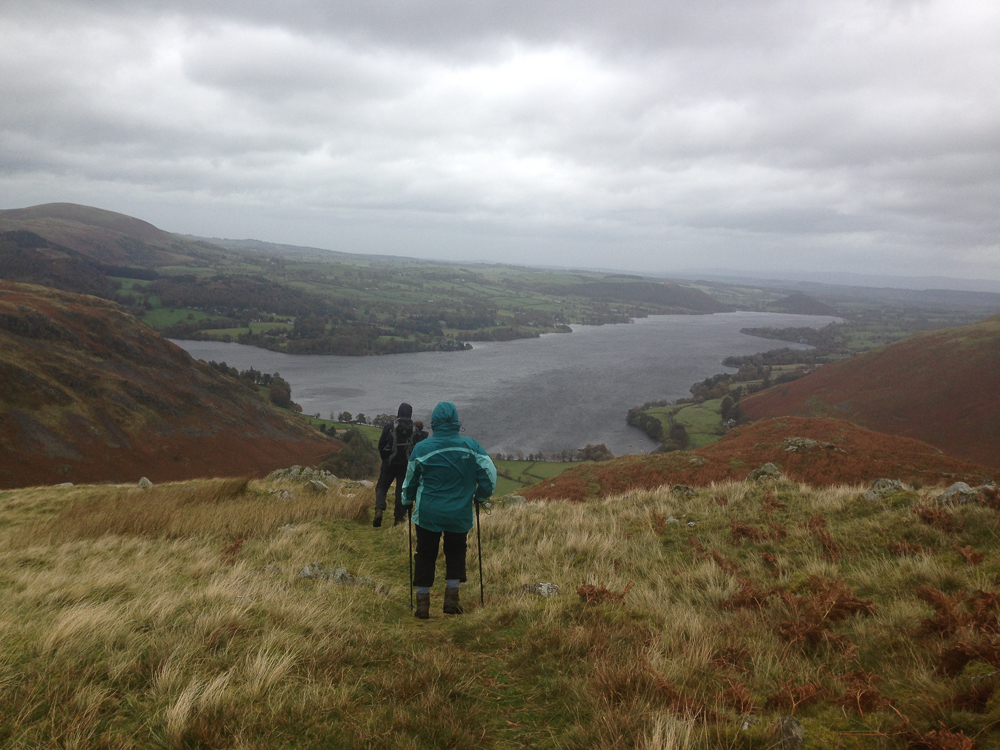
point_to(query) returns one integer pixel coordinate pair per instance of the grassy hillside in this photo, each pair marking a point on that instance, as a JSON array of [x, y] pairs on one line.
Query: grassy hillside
[[941, 387], [88, 393], [841, 452], [106, 236], [316, 302], [175, 617]]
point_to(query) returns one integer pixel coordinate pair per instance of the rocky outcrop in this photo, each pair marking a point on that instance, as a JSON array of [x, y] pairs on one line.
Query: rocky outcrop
[[792, 444], [766, 473], [881, 488], [305, 475], [959, 493]]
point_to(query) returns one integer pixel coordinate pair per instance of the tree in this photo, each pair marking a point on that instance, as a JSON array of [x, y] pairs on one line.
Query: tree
[[344, 416], [679, 435], [382, 420], [597, 452], [280, 393], [726, 407], [361, 419]]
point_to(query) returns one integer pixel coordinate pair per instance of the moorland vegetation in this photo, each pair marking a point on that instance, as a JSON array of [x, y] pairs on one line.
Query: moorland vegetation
[[942, 387], [179, 616], [88, 393]]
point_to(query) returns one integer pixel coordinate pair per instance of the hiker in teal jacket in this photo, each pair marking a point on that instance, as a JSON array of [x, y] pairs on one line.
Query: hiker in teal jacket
[[445, 475]]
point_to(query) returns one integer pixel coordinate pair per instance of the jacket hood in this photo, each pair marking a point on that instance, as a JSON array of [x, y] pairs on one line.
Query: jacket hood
[[405, 411], [444, 420]]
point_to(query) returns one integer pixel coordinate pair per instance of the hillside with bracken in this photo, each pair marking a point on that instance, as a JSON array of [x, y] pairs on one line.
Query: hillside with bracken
[[942, 387], [90, 394], [815, 451]]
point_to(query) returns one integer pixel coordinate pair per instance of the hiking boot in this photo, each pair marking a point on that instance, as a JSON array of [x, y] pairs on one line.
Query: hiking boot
[[377, 521], [451, 605], [423, 610]]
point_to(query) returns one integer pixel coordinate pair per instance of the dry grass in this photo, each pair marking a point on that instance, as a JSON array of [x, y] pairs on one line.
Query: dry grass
[[175, 618]]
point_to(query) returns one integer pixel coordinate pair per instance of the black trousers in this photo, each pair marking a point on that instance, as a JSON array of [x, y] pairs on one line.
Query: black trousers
[[387, 476], [427, 552]]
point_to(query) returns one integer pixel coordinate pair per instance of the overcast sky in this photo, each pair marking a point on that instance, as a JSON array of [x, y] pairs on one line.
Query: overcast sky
[[651, 135]]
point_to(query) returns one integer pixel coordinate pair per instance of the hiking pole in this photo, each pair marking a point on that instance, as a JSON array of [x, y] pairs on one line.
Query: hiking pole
[[409, 526], [479, 543]]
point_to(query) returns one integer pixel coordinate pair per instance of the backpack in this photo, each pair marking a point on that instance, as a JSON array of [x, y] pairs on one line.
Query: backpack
[[402, 440]]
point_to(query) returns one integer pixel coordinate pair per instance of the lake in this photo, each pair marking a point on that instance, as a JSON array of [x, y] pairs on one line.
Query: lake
[[546, 394]]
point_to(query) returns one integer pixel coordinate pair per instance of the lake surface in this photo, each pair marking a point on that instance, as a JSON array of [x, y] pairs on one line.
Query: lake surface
[[546, 394]]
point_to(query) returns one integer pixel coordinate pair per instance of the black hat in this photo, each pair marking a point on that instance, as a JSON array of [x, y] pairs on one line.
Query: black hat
[[405, 411]]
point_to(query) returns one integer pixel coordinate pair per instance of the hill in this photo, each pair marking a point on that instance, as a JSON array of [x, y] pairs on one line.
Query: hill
[[212, 614], [942, 387], [29, 258], [105, 236], [843, 453], [802, 304], [88, 393]]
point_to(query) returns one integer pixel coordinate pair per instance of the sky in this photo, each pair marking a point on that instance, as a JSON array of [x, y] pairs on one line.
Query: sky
[[650, 136]]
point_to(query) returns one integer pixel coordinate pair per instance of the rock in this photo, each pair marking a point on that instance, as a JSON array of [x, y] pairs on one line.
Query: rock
[[303, 474], [64, 484], [684, 490], [317, 572], [692, 524], [511, 500], [766, 473], [318, 485], [883, 488], [671, 519], [541, 589], [793, 444], [274, 570], [281, 494], [288, 527], [358, 483], [958, 494], [144, 484], [791, 734], [697, 461]]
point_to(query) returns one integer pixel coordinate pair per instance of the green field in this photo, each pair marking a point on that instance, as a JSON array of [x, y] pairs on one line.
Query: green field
[[701, 421], [515, 476], [160, 317], [251, 328]]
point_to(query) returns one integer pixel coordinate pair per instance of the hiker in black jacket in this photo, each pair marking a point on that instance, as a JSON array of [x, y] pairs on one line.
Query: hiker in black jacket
[[394, 446]]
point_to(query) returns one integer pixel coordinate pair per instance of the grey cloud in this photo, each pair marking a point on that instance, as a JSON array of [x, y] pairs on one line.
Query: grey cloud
[[773, 132]]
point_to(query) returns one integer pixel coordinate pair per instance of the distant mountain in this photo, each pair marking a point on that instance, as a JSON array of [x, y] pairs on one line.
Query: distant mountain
[[105, 236], [942, 387], [90, 394], [667, 295], [295, 251], [820, 278], [843, 454], [802, 304]]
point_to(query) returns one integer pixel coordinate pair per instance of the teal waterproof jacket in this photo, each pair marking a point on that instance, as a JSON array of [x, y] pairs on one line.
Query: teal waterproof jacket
[[445, 473]]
